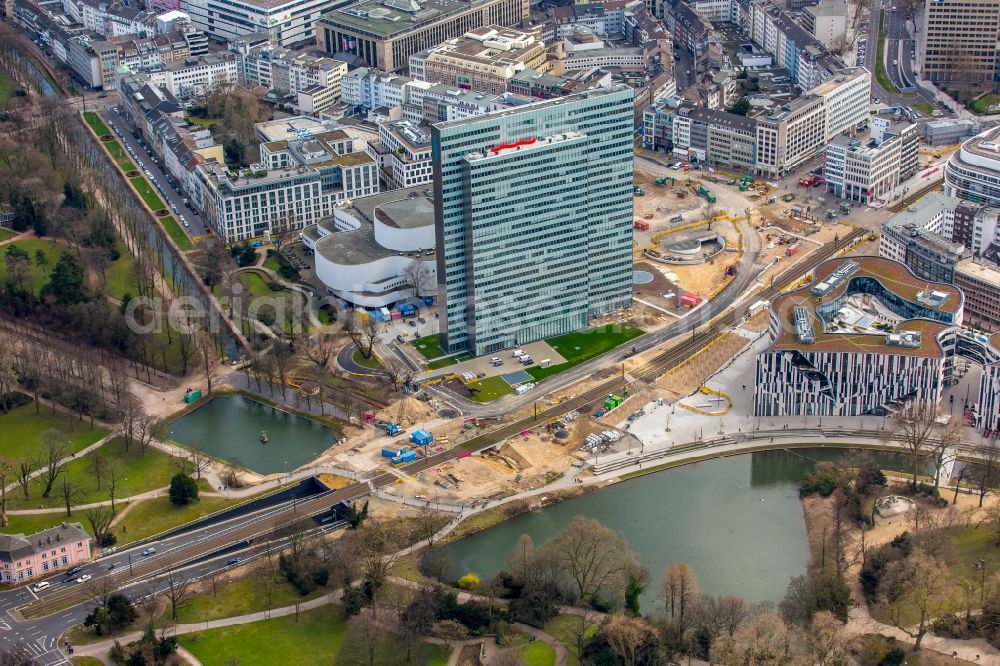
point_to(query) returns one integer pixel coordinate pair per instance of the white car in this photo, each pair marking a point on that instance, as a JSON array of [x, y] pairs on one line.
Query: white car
[[83, 579], [38, 587]]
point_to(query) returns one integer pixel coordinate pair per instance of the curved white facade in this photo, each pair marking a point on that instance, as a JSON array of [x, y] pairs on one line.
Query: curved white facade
[[973, 171], [365, 251]]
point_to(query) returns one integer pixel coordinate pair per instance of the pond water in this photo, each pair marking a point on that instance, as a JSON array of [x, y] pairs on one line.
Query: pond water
[[737, 521], [230, 427]]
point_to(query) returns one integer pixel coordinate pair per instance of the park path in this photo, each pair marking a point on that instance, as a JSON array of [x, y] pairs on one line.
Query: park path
[[11, 487], [24, 235]]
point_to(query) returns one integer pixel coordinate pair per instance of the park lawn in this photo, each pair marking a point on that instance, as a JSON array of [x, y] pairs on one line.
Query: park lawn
[[137, 473], [371, 363], [391, 651], [204, 122], [176, 233], [442, 363], [562, 628], [925, 108], [489, 389], [982, 105], [585, 345], [121, 155], [272, 262], [240, 597], [538, 653], [315, 639], [256, 284], [40, 274], [7, 87], [147, 192], [6, 233], [21, 431], [152, 516], [118, 276], [86, 661], [429, 346], [36, 522], [96, 123]]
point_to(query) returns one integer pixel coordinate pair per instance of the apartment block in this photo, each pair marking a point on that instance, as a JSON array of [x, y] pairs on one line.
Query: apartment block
[[306, 167], [308, 81], [403, 151], [533, 210], [827, 22], [794, 48], [384, 33], [958, 43], [484, 59], [195, 76]]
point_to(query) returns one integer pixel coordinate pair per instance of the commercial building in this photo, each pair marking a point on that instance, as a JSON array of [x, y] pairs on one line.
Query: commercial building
[[384, 33], [194, 76], [533, 209], [287, 22], [827, 22], [375, 251], [484, 59], [306, 167], [958, 42], [35, 556], [307, 81], [769, 144], [980, 282], [973, 171], [864, 338], [947, 131], [403, 151], [867, 169]]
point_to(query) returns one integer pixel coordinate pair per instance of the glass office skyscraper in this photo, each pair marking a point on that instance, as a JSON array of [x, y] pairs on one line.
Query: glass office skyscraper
[[533, 209]]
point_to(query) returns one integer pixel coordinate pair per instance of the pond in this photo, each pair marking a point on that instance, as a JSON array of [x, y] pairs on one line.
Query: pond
[[230, 427], [737, 521]]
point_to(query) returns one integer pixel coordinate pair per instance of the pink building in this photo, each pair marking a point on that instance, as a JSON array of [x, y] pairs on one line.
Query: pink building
[[23, 558]]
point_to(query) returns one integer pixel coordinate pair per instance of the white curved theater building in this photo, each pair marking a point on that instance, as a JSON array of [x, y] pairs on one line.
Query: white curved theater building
[[368, 253], [973, 171]]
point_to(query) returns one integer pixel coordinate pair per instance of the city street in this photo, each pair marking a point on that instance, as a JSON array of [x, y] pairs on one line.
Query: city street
[[897, 44], [174, 198]]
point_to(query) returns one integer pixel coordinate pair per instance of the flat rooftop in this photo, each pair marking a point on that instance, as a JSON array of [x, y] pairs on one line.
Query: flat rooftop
[[286, 128], [385, 18], [403, 209], [894, 277], [982, 272], [985, 145]]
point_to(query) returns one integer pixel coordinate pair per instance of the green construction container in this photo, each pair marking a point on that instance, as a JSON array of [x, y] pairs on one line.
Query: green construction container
[[192, 396]]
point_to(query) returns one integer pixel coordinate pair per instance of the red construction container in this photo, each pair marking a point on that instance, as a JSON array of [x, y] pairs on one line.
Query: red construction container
[[689, 299], [791, 250], [396, 314], [640, 225]]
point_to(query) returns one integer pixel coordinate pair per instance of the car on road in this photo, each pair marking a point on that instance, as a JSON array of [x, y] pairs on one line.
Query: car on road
[[233, 561], [74, 571], [412, 323], [421, 320], [83, 579], [38, 587], [149, 551]]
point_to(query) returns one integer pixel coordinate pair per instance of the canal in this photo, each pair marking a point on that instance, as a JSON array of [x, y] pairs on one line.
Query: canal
[[230, 427], [737, 521]]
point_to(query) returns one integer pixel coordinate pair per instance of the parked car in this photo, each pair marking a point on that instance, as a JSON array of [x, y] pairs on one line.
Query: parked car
[[412, 323]]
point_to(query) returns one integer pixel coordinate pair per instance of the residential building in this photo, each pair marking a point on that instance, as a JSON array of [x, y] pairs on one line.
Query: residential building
[[288, 23], [865, 337], [26, 557], [309, 82], [827, 22], [533, 210], [403, 151], [867, 169], [795, 49], [483, 59], [958, 43], [306, 166], [973, 171], [378, 250], [385, 33]]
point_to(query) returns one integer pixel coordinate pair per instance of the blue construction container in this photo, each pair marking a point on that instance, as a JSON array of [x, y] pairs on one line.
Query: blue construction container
[[405, 457], [421, 437], [408, 310], [393, 452]]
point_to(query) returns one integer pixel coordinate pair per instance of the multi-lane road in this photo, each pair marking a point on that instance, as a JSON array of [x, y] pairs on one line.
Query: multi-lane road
[[899, 43]]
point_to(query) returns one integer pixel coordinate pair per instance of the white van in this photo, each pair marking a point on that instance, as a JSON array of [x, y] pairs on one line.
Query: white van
[[676, 166], [518, 353], [38, 587]]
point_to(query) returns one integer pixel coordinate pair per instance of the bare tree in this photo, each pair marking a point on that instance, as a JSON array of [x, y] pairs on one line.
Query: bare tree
[[55, 447], [417, 276], [25, 466], [6, 470], [521, 559], [8, 375], [320, 352], [267, 576], [363, 332], [450, 632], [949, 437], [913, 428], [97, 464], [206, 347], [989, 466], [100, 518], [680, 591], [826, 641], [371, 636], [627, 636], [177, 590], [70, 494], [112, 476], [595, 558], [918, 582], [199, 462], [764, 641]]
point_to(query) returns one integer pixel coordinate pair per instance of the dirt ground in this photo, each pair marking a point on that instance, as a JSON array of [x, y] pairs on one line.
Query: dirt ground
[[708, 278], [655, 293]]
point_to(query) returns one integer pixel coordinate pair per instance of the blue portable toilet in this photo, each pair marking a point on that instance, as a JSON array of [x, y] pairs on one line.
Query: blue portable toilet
[[421, 438]]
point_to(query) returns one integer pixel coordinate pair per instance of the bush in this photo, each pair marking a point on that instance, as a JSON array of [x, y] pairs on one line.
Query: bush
[[822, 480], [469, 581], [183, 490], [274, 286]]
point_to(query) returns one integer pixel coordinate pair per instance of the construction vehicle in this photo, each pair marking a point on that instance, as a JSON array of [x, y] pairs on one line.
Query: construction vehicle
[[787, 197], [710, 198], [808, 181], [744, 186], [638, 191], [662, 182], [702, 191], [388, 427]]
